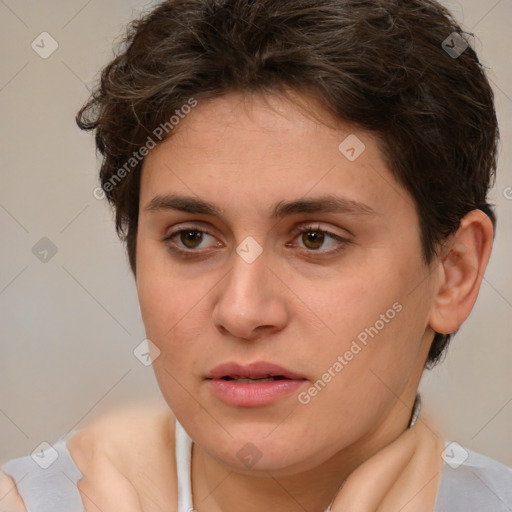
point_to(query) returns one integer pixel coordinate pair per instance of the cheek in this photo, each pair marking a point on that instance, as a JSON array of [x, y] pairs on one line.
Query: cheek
[[174, 307], [367, 366], [352, 302], [171, 311], [161, 297], [376, 321]]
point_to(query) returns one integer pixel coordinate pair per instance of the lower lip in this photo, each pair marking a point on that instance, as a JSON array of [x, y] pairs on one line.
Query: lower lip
[[257, 394]]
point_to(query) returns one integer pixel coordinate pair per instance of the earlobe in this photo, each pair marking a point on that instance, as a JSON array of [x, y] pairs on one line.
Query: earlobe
[[462, 266]]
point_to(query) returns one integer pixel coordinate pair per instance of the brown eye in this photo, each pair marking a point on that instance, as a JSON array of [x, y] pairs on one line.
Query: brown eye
[[191, 239], [313, 239]]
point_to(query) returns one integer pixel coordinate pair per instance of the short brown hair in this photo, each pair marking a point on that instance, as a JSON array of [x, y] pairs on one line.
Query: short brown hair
[[382, 65]]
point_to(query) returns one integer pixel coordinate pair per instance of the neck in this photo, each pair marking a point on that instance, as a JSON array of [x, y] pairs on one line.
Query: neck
[[217, 488]]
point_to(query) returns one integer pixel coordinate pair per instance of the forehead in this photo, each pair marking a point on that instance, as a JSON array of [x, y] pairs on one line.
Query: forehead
[[248, 118], [242, 148]]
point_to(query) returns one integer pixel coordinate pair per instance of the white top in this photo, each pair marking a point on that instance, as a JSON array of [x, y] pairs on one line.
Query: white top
[[183, 466]]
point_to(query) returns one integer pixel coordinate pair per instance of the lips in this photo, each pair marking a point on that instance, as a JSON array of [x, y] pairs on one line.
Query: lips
[[253, 385], [258, 371], [250, 380]]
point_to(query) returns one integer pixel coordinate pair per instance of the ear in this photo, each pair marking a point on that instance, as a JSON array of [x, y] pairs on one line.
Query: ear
[[460, 273]]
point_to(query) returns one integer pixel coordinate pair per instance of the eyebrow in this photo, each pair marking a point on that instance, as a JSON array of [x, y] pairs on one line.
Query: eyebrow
[[323, 204]]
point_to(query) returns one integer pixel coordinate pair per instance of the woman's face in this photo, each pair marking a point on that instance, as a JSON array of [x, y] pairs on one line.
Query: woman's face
[[267, 237]]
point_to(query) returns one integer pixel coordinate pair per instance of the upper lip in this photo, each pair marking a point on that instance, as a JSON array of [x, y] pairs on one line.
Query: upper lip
[[252, 370]]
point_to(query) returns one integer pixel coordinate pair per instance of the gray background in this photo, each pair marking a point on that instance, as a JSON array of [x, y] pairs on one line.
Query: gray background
[[68, 326]]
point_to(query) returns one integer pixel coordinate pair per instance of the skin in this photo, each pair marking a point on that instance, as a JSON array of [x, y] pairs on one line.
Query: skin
[[246, 154], [300, 304]]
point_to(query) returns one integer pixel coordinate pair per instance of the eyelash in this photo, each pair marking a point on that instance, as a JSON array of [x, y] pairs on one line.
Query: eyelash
[[295, 232]]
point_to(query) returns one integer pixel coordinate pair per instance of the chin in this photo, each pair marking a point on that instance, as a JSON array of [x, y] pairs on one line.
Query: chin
[[258, 447]]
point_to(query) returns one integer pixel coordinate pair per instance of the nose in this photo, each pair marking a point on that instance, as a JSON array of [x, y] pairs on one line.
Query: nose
[[251, 301]]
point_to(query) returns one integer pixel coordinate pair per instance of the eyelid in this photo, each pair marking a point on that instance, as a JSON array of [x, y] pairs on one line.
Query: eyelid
[[180, 229], [342, 240], [316, 226]]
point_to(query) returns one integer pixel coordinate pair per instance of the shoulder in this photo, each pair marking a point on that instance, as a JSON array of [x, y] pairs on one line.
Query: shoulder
[[124, 460], [127, 459], [472, 481]]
